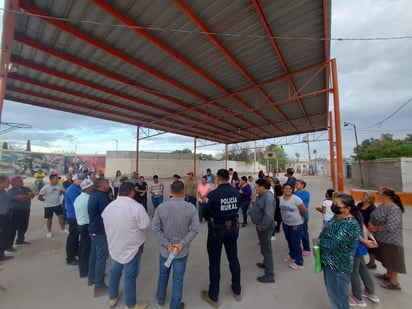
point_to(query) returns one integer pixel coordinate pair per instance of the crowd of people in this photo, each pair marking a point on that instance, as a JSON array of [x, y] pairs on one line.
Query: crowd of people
[[106, 220]]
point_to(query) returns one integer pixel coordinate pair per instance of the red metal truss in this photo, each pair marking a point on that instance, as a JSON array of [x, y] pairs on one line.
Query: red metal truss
[[72, 79], [119, 112], [76, 33], [228, 55], [9, 23], [279, 55], [202, 119], [135, 27]]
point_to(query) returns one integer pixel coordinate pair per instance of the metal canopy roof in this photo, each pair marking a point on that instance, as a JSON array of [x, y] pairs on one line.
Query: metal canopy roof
[[225, 71]]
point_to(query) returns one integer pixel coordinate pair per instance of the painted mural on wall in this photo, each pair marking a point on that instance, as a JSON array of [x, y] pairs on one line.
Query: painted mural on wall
[[27, 163], [75, 164]]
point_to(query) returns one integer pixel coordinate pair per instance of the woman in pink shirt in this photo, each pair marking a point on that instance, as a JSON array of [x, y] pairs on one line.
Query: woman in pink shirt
[[203, 189]]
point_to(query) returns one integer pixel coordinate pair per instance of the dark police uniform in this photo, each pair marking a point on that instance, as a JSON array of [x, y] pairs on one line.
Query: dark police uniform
[[220, 210]]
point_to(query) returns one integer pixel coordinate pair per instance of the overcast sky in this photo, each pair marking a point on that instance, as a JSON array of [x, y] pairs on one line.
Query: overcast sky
[[374, 81]]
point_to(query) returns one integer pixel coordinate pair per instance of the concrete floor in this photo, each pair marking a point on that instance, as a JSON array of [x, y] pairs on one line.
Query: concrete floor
[[38, 277]]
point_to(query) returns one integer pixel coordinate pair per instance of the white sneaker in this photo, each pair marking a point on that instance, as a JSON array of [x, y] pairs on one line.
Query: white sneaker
[[49, 235], [273, 238], [65, 232], [372, 297], [288, 259], [295, 266], [353, 301]]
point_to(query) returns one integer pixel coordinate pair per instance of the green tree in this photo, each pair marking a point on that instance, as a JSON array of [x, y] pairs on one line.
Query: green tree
[[186, 150], [240, 153], [5, 145], [205, 157], [385, 147], [280, 155]]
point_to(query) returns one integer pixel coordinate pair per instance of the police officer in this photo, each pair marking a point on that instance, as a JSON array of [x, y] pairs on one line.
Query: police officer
[[220, 210]]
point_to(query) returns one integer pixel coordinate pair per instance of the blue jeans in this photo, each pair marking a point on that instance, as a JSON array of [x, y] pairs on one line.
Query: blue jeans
[[157, 200], [293, 235], [97, 260], [305, 235], [131, 271], [179, 267], [337, 287]]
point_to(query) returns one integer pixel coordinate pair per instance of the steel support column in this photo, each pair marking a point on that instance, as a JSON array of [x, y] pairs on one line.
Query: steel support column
[[9, 24], [338, 135], [194, 156], [137, 148], [332, 152], [225, 156]]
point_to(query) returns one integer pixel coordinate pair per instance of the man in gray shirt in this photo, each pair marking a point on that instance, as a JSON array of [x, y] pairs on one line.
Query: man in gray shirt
[[262, 215], [4, 217], [20, 197], [175, 225]]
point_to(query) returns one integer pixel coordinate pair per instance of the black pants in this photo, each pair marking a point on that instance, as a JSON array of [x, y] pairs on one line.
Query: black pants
[[72, 243], [4, 233], [84, 250], [244, 206], [19, 222], [227, 238]]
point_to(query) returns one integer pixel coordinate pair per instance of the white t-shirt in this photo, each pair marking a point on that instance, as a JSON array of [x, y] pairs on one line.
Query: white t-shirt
[[290, 210], [51, 195], [328, 214]]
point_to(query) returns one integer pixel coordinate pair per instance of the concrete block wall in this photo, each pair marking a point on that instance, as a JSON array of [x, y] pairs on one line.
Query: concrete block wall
[[393, 172]]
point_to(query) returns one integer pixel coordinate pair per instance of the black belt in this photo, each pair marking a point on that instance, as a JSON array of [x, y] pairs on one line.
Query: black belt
[[227, 225]]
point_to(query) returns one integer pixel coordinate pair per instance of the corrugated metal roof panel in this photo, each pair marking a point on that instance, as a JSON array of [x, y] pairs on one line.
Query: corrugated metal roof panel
[[187, 85]]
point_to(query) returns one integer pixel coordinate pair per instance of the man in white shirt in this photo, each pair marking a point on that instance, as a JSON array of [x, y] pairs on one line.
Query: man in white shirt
[[125, 222], [50, 195]]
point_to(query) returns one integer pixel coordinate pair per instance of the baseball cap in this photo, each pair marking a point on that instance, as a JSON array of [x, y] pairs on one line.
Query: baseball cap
[[79, 176], [85, 184], [16, 179]]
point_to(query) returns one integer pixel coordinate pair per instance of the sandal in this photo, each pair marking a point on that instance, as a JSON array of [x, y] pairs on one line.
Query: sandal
[[382, 277], [390, 286]]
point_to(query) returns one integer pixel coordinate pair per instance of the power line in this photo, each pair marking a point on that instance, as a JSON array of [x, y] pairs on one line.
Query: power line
[[391, 115], [158, 29]]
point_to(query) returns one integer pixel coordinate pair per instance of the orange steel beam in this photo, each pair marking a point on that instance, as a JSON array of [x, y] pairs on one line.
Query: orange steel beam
[[194, 156], [180, 58], [44, 85], [338, 135], [92, 111], [279, 54], [331, 152], [321, 66], [126, 109], [202, 119], [326, 44], [137, 148], [9, 24], [72, 79], [225, 52], [74, 110], [106, 48]]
